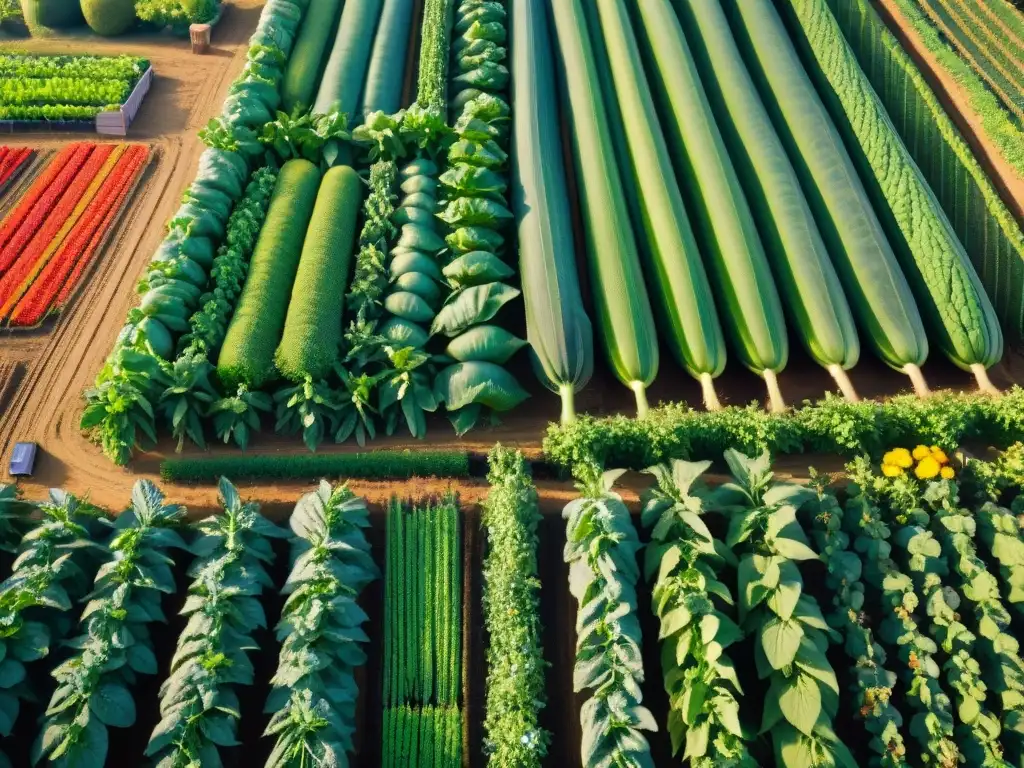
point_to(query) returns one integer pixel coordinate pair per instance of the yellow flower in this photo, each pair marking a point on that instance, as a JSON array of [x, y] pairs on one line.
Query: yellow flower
[[947, 473], [900, 457], [891, 470], [921, 452], [927, 469], [939, 455]]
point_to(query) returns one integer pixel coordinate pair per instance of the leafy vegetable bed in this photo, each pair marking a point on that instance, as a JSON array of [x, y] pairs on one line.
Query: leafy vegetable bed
[[37, 88], [53, 234]]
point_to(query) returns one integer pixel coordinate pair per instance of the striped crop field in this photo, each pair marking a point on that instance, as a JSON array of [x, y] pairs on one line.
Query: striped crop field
[[13, 161], [52, 235], [987, 42]]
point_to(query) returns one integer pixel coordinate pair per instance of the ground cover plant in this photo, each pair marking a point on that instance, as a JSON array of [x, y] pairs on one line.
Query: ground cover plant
[[422, 677], [34, 87], [312, 702], [515, 658]]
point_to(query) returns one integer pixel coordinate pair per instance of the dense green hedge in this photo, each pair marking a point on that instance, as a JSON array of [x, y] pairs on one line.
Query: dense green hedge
[[981, 220], [832, 426], [376, 465]]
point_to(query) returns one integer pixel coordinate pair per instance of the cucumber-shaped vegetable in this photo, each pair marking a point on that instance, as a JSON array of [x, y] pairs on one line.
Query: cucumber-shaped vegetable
[[488, 343], [623, 310], [420, 184], [247, 356], [158, 336], [384, 79], [747, 298], [299, 86], [875, 285], [424, 200], [410, 214], [155, 303], [947, 287], [420, 166], [819, 312], [342, 83], [421, 237], [312, 329]]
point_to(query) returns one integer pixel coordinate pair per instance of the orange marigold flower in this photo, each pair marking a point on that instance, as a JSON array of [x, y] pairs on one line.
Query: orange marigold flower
[[921, 452], [947, 473], [927, 469], [891, 470]]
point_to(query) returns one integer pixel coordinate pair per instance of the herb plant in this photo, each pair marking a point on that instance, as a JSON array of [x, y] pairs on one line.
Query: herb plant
[[313, 699], [115, 647], [199, 701], [601, 549], [697, 615], [515, 659]]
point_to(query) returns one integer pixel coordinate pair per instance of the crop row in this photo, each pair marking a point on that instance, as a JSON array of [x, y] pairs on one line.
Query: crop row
[[65, 87], [54, 233], [13, 160]]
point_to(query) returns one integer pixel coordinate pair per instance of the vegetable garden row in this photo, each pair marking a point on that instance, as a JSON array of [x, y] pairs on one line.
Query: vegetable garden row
[[871, 623], [285, 292], [65, 88], [53, 234]]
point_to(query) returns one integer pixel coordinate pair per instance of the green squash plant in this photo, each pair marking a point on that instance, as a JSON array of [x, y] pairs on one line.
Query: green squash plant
[[601, 549], [199, 701], [697, 614], [790, 633], [313, 699], [94, 685]]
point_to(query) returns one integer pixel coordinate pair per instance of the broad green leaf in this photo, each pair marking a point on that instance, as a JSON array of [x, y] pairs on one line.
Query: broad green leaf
[[471, 306], [800, 702], [780, 641], [113, 705]]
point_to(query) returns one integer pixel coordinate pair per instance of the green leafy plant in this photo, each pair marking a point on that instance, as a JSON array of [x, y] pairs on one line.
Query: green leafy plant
[[314, 692], [932, 722], [873, 682], [56, 561], [309, 407], [94, 685], [199, 701], [790, 633], [515, 659], [186, 402], [238, 417], [601, 549], [14, 518], [698, 625]]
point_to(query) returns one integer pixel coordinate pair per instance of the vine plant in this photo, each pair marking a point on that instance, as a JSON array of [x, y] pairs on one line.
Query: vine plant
[[601, 549], [93, 686], [790, 632], [696, 610], [873, 682], [932, 723], [199, 705], [56, 561], [314, 692]]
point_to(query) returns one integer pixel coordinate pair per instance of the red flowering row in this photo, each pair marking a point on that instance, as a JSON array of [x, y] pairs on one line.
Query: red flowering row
[[55, 284], [12, 160], [30, 218]]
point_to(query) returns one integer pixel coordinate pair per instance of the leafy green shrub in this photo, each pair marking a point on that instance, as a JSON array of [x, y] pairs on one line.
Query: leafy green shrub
[[109, 17], [380, 465], [831, 425], [199, 703], [601, 549], [313, 699], [55, 564], [14, 518], [515, 659], [698, 622], [115, 647], [790, 633]]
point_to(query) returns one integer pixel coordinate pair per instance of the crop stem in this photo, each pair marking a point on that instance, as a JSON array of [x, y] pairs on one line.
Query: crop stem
[[984, 382], [707, 386], [640, 391], [843, 382], [776, 403], [568, 404], [917, 379]]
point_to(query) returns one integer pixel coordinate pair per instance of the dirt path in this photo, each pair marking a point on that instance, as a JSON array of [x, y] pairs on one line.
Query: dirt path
[[957, 101]]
